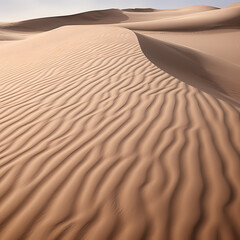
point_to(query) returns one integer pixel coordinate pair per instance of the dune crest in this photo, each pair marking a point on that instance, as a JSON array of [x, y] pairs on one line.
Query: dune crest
[[109, 133], [87, 18], [200, 70]]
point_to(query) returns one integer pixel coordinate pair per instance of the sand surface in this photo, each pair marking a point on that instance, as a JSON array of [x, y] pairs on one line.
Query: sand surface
[[121, 124]]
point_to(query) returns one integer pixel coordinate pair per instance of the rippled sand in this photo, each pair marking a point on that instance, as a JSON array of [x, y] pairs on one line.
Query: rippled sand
[[121, 125]]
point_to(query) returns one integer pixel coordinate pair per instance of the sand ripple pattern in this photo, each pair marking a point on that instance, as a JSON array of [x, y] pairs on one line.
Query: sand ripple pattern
[[96, 143]]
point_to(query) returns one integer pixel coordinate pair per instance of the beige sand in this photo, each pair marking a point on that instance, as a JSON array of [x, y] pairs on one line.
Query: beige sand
[[110, 130]]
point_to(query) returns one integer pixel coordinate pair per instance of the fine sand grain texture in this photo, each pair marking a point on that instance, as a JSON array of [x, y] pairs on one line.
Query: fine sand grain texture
[[121, 124]]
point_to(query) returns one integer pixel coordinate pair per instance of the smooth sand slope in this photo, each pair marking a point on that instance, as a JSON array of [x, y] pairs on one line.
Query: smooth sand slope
[[108, 132]]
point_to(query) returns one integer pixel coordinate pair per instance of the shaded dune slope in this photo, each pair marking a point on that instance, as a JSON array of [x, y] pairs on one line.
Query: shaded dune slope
[[218, 43], [110, 134], [203, 71]]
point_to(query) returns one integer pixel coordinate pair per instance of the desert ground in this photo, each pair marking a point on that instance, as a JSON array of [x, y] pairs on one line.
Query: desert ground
[[121, 124]]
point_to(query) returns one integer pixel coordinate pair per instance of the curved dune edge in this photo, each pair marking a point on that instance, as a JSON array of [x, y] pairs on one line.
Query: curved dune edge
[[208, 73], [218, 43], [99, 143]]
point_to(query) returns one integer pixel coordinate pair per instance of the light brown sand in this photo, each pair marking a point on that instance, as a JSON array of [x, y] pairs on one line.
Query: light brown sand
[[111, 133]]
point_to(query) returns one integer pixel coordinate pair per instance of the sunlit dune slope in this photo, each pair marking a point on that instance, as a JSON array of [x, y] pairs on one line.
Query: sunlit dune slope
[[111, 133]]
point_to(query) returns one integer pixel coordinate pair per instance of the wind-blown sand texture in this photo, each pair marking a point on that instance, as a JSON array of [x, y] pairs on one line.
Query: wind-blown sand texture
[[121, 125]]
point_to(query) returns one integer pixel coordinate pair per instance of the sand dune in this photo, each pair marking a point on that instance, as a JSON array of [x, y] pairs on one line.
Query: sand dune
[[219, 43], [88, 18], [107, 133], [143, 15], [234, 5], [220, 18], [203, 71], [101, 17]]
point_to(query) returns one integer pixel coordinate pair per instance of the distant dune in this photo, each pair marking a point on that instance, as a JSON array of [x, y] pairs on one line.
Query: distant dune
[[234, 5], [121, 124], [209, 19], [88, 18]]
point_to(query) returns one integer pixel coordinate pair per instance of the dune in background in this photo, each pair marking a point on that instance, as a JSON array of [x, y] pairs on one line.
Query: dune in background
[[121, 124]]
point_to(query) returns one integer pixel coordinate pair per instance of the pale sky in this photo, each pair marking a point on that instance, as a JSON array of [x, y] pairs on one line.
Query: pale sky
[[14, 10]]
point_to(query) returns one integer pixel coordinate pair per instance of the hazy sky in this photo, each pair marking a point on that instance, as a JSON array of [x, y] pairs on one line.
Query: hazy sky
[[11, 10]]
